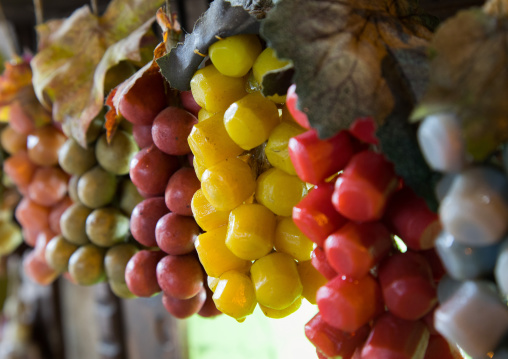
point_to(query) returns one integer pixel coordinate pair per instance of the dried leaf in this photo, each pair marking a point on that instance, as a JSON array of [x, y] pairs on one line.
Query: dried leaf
[[277, 82], [75, 54], [113, 116], [469, 77], [221, 20], [16, 77], [16, 90], [339, 49]]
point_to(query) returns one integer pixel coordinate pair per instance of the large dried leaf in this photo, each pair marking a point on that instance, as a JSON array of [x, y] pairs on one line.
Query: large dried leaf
[[75, 55], [222, 19], [340, 48], [469, 77]]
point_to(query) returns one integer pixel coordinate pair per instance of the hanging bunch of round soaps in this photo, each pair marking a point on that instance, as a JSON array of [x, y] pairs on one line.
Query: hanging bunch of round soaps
[[32, 142], [380, 295], [22, 115], [251, 246], [474, 212], [162, 223], [10, 232], [76, 201], [94, 236]]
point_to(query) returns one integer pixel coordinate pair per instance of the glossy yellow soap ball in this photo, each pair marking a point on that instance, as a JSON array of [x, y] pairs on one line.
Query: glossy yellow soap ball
[[289, 239], [311, 279], [206, 215], [204, 114], [199, 167], [250, 231], [277, 314], [210, 142], [228, 184], [276, 280], [212, 282], [215, 257], [276, 149], [250, 120], [279, 191], [235, 55], [234, 294], [214, 91]]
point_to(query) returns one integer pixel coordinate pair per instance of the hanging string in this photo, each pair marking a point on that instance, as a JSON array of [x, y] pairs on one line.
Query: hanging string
[[39, 17], [95, 7], [9, 47], [39, 13]]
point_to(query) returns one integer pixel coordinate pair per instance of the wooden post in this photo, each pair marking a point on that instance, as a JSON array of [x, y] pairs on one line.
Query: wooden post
[[108, 314], [443, 9], [152, 332]]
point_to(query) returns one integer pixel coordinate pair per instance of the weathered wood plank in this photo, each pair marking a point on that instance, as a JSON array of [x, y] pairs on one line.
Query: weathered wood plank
[[79, 325], [152, 332], [108, 314]]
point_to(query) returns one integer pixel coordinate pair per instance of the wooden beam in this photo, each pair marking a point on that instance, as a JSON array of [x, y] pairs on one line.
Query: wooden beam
[[446, 8]]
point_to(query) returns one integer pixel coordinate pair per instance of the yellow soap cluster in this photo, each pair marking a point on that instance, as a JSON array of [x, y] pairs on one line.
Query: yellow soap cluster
[[251, 250]]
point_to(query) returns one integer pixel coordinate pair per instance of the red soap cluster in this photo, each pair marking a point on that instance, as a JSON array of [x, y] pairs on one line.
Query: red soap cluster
[[163, 222], [379, 298]]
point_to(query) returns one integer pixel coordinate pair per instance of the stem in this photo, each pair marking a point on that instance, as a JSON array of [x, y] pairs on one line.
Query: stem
[[10, 44], [95, 7], [39, 13]]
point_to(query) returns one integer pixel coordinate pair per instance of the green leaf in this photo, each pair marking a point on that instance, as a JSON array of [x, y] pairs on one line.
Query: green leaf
[[338, 48], [75, 54], [398, 140], [277, 82], [221, 20], [469, 77]]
